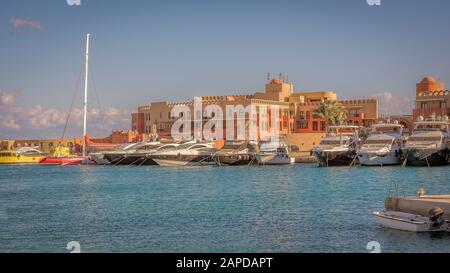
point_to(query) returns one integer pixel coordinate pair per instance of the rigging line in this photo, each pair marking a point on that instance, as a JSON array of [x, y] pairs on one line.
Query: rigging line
[[102, 123], [72, 102]]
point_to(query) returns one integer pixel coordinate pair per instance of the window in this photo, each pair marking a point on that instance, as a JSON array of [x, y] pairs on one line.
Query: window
[[443, 105], [322, 126], [315, 126], [302, 115], [423, 105], [354, 112], [302, 124], [307, 115]]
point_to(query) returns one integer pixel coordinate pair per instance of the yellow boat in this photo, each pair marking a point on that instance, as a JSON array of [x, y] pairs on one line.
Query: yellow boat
[[23, 155]]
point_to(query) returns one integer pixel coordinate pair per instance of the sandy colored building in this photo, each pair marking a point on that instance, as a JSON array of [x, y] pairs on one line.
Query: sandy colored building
[[297, 121], [431, 98]]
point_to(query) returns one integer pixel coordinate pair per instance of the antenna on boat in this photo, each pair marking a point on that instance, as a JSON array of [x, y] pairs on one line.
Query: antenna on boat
[[86, 93]]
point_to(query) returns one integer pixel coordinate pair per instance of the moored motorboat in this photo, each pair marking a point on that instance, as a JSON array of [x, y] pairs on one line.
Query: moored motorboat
[[192, 153], [274, 153], [143, 155], [236, 153], [338, 147], [132, 154], [429, 144], [383, 145], [23, 155], [412, 222]]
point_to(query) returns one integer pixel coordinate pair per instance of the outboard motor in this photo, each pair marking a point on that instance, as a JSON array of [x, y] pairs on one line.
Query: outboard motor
[[436, 217]]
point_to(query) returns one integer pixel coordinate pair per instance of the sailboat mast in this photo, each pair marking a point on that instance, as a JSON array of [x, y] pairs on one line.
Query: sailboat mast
[[86, 94]]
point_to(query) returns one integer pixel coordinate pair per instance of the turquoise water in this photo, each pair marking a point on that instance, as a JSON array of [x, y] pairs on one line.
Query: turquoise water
[[298, 208]]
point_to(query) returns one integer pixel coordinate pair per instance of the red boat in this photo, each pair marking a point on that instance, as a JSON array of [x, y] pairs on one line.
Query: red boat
[[69, 160]]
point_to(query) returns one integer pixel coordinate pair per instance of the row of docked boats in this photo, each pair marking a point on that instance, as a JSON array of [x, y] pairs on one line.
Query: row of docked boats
[[428, 145], [197, 153]]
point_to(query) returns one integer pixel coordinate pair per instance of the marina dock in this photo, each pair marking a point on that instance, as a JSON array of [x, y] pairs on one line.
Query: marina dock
[[419, 205]]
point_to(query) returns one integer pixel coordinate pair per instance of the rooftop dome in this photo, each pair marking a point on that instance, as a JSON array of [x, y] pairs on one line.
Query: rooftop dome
[[428, 79], [277, 81]]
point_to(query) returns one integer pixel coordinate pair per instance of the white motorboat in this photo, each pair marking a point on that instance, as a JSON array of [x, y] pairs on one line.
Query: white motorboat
[[383, 146], [411, 222], [429, 144], [235, 153], [338, 147], [274, 153], [123, 155], [192, 153]]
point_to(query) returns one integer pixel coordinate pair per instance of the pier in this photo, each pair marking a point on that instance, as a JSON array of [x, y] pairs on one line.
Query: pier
[[419, 205]]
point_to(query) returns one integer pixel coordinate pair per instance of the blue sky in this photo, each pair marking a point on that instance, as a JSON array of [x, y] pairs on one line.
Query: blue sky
[[146, 51]]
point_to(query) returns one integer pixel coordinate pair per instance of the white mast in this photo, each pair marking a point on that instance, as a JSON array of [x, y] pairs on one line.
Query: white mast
[[86, 93]]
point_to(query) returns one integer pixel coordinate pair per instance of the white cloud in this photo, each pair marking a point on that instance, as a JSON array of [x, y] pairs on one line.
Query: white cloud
[[389, 104], [47, 122], [7, 98], [10, 123]]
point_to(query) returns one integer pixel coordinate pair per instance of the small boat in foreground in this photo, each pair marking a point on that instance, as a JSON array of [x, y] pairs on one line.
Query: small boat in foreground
[[411, 222]]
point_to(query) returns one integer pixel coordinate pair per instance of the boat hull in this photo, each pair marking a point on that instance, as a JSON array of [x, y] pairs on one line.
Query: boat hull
[[414, 158], [17, 160], [99, 159], [372, 159], [126, 160], [274, 159], [64, 161], [234, 160], [183, 160], [402, 221], [331, 159]]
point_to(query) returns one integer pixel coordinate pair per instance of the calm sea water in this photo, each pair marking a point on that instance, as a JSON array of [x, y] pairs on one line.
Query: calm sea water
[[297, 208]]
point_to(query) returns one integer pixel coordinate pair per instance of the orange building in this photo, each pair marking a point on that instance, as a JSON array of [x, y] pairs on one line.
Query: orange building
[[296, 109], [431, 98]]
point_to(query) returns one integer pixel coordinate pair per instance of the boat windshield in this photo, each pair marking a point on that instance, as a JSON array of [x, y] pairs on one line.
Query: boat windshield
[[148, 147], [167, 147], [234, 145], [378, 141], [424, 138], [333, 142], [270, 146], [431, 127]]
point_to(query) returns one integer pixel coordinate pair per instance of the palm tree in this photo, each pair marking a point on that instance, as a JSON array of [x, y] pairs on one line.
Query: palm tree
[[332, 112]]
